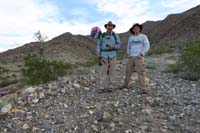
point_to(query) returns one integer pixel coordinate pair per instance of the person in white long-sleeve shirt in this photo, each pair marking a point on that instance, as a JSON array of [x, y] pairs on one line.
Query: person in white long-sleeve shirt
[[138, 45]]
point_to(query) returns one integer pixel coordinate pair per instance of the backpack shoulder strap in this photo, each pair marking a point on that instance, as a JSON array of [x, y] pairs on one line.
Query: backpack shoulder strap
[[115, 36], [103, 34]]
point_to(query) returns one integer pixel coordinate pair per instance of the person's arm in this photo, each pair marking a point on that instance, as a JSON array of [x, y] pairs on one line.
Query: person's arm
[[146, 45]]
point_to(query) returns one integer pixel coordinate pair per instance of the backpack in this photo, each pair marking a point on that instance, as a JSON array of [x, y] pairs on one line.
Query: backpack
[[95, 32]]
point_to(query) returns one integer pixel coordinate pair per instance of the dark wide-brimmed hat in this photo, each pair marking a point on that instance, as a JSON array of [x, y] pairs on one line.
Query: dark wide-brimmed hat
[[110, 23], [137, 24]]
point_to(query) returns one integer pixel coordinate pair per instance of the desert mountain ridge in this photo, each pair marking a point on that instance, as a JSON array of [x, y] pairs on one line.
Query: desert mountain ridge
[[175, 29]]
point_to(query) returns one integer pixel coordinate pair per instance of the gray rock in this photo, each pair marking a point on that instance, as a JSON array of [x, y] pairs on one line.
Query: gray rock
[[86, 88], [128, 131], [94, 128], [91, 112], [77, 86], [41, 95], [25, 126], [10, 125], [172, 118], [35, 100], [112, 125], [65, 105], [30, 90], [63, 90], [107, 117], [7, 108], [147, 111]]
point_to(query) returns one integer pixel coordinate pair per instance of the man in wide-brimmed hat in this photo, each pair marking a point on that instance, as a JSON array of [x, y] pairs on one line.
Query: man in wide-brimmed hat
[[110, 24], [107, 47], [138, 45]]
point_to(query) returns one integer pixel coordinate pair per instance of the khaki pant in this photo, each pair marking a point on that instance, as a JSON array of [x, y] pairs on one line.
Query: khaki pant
[[137, 64], [107, 73]]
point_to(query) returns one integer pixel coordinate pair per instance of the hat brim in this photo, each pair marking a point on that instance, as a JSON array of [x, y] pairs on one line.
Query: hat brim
[[110, 24], [131, 29]]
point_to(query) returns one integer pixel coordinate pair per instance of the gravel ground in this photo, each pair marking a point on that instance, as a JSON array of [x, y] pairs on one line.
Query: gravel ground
[[73, 104]]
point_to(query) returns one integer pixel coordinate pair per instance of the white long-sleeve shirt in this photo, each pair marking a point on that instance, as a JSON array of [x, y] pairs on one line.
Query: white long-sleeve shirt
[[137, 44]]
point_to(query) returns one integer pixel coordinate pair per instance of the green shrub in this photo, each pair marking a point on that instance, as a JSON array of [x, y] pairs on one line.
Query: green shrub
[[191, 59], [3, 70], [37, 69], [188, 66]]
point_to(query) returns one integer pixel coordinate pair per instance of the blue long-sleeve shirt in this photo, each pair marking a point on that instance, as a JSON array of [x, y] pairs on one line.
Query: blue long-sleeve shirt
[[137, 44], [108, 39]]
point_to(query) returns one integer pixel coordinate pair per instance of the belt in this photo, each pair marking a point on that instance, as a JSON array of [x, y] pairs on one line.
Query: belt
[[108, 50]]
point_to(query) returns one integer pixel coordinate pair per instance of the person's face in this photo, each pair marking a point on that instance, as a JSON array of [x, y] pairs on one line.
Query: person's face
[[109, 27], [136, 29]]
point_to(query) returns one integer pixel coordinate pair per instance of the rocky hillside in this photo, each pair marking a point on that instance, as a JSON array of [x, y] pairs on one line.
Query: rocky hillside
[[175, 29], [73, 49], [66, 47]]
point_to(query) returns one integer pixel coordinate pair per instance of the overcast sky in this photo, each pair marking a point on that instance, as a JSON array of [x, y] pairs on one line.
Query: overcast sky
[[21, 19]]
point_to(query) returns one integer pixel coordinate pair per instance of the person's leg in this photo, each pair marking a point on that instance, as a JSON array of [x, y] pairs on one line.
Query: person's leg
[[140, 67], [112, 62], [129, 70], [103, 74]]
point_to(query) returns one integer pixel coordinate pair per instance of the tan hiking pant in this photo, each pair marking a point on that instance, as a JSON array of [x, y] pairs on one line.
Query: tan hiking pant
[[137, 64], [107, 72]]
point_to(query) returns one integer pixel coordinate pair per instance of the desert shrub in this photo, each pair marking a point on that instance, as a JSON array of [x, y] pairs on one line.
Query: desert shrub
[[37, 69], [3, 70], [188, 66], [191, 59]]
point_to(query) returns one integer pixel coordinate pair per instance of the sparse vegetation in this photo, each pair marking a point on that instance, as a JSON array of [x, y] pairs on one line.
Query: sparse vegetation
[[7, 77], [40, 70], [37, 69], [4, 61], [3, 70], [90, 63], [93, 61], [160, 51], [5, 83], [121, 55], [175, 68], [189, 64], [191, 59]]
